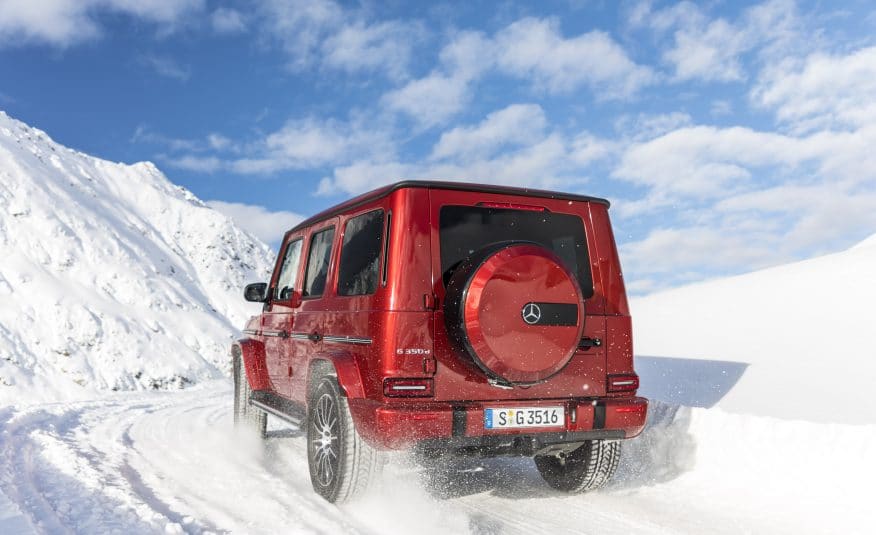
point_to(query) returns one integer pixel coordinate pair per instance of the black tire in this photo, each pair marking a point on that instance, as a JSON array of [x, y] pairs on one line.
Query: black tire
[[245, 415], [342, 465], [586, 468]]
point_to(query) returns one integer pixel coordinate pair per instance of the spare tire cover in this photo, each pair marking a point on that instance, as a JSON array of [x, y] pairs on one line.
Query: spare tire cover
[[516, 310]]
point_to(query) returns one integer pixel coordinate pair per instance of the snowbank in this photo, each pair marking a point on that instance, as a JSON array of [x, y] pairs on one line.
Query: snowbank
[[791, 341]]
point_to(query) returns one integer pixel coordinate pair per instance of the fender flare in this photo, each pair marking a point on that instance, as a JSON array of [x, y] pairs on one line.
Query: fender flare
[[253, 354], [346, 369]]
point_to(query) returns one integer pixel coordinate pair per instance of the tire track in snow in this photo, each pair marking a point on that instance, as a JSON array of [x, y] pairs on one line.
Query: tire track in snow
[[171, 462]]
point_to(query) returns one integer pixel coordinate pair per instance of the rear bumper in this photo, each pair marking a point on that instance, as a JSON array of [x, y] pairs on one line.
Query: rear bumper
[[401, 425]]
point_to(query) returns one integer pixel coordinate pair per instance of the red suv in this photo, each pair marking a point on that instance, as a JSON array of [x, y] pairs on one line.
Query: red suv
[[456, 319]]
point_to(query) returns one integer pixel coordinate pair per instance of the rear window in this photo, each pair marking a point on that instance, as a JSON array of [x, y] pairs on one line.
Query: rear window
[[360, 254], [466, 229]]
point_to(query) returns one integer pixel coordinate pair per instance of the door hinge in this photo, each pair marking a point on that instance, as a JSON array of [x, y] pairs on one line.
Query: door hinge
[[430, 301]]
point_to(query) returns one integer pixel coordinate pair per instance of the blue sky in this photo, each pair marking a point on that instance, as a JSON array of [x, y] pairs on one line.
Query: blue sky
[[729, 136]]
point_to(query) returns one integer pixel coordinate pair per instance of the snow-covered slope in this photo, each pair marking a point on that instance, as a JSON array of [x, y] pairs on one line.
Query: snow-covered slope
[[111, 277], [794, 341]]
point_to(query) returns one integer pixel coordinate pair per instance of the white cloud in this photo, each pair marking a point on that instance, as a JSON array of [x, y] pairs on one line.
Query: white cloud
[[227, 21], [68, 22], [435, 98], [724, 200], [750, 230], [536, 49], [664, 251], [713, 49], [219, 142], [268, 226], [310, 142], [431, 100], [532, 49], [587, 148], [819, 214], [709, 53], [364, 175], [544, 164], [198, 164], [706, 162], [644, 126], [301, 26], [362, 47], [144, 134], [518, 124], [324, 33], [468, 54], [167, 67], [822, 91], [300, 144], [696, 161]]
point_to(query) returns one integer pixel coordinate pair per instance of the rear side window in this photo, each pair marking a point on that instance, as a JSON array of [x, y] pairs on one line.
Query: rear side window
[[286, 279], [318, 262], [360, 254], [466, 229]]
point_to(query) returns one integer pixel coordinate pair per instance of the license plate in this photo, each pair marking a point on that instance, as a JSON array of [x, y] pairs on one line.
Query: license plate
[[517, 417]]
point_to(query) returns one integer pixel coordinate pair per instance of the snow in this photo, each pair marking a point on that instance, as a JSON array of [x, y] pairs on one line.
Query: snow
[[791, 341], [760, 420], [112, 277], [170, 462]]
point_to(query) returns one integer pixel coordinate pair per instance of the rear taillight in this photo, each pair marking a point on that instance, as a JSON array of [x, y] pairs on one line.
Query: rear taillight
[[626, 382], [408, 388]]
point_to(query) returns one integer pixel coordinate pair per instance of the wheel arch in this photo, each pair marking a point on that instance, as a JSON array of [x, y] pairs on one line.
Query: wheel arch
[[252, 352], [343, 365]]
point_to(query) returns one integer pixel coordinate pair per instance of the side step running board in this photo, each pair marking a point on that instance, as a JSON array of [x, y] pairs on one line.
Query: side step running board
[[278, 406]]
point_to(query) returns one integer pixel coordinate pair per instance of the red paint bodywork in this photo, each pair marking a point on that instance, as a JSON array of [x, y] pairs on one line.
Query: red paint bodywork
[[403, 324]]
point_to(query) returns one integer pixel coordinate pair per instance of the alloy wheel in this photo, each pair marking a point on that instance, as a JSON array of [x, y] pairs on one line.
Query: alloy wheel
[[325, 442]]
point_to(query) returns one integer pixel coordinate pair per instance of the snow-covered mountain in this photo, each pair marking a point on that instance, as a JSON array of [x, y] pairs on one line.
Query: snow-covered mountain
[[793, 341], [111, 277]]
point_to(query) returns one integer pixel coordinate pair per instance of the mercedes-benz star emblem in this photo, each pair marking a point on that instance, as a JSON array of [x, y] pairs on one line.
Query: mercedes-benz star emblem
[[531, 313]]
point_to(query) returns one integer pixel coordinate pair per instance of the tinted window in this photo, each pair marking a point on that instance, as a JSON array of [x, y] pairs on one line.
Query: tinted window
[[466, 229], [288, 271], [318, 262], [360, 254]]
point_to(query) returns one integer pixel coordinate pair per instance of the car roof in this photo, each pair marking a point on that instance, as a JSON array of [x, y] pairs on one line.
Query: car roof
[[435, 184]]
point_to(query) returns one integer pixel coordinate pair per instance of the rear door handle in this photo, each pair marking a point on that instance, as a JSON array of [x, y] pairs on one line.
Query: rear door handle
[[587, 343], [314, 337]]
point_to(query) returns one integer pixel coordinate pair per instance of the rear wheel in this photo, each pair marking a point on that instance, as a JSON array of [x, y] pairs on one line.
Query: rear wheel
[[245, 415], [342, 465], [586, 468]]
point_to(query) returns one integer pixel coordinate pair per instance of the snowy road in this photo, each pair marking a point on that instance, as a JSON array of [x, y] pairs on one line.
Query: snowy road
[[171, 463]]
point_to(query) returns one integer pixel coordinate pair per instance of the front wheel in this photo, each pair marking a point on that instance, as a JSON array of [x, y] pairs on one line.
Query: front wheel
[[245, 415], [586, 468], [342, 465]]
